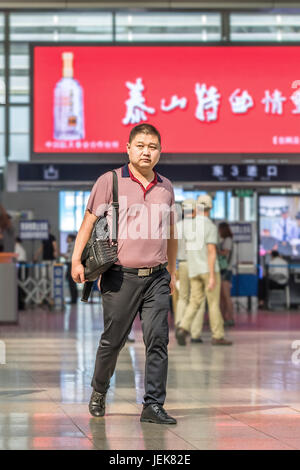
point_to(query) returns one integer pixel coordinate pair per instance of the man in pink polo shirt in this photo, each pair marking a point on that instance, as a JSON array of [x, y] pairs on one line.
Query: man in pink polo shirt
[[139, 281]]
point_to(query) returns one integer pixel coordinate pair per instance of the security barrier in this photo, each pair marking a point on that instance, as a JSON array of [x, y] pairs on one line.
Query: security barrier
[[41, 283]]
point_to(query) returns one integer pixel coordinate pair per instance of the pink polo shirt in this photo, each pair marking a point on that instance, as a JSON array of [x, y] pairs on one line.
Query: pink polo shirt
[[145, 216]]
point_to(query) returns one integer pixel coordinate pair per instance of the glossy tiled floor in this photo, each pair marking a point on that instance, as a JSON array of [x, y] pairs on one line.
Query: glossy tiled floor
[[240, 397]]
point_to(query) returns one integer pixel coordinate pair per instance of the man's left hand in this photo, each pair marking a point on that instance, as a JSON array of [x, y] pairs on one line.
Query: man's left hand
[[172, 283]]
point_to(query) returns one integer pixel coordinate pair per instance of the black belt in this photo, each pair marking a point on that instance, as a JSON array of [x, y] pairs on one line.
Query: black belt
[[139, 271]]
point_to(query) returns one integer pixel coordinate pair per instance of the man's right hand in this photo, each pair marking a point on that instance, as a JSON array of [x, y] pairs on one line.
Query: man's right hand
[[211, 283], [77, 272]]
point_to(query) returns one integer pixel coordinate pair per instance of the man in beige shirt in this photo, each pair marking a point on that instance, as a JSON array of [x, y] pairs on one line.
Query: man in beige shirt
[[189, 210], [201, 240]]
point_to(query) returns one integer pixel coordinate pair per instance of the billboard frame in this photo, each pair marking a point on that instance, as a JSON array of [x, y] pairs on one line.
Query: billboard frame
[[45, 155]]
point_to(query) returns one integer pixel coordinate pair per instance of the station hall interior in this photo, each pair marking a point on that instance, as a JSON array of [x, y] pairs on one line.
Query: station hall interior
[[220, 82]]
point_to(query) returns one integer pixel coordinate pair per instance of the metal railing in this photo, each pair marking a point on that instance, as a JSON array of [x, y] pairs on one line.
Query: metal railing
[[42, 283]]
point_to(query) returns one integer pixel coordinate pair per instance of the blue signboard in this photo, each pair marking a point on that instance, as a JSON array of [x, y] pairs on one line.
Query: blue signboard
[[34, 229], [242, 232]]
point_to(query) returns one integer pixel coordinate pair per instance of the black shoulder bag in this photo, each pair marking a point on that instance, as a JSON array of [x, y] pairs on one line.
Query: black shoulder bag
[[100, 253]]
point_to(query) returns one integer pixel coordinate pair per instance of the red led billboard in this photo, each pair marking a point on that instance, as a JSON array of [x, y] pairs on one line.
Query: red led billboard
[[203, 99]]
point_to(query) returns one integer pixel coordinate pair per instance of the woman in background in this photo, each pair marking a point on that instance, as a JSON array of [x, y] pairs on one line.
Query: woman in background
[[225, 261], [68, 256], [20, 251], [21, 259], [7, 232]]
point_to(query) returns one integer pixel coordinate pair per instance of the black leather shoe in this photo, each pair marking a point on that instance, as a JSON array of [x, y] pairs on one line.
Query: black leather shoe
[[97, 404], [181, 335], [220, 342], [196, 340], [155, 413]]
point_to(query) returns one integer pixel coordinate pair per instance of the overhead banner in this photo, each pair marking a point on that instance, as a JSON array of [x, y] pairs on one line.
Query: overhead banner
[[33, 172], [203, 99]]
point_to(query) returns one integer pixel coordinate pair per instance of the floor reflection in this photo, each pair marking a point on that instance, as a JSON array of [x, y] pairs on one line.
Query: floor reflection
[[243, 397]]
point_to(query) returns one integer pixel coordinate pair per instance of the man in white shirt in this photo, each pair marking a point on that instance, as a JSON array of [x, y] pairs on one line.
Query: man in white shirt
[[20, 251], [278, 269], [285, 231], [201, 240], [189, 211], [21, 258], [276, 277], [68, 257]]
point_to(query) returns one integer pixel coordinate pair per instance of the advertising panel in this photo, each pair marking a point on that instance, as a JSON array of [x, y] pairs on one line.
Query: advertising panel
[[279, 221], [203, 99]]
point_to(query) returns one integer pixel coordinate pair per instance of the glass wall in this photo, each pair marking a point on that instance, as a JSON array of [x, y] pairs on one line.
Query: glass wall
[[72, 206], [35, 27], [58, 27], [233, 208], [19, 133], [264, 27], [2, 157], [82, 26], [225, 205], [162, 26], [250, 208]]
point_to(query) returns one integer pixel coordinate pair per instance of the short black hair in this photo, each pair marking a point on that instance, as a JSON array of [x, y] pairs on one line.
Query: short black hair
[[275, 254], [144, 129]]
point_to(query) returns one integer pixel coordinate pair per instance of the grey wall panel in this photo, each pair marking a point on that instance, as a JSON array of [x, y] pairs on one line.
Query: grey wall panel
[[8, 293]]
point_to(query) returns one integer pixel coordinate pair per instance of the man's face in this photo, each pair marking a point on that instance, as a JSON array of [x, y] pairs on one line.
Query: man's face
[[144, 151], [266, 233]]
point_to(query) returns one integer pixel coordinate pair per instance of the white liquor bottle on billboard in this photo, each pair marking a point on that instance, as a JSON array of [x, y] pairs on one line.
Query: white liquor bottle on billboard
[[68, 104]]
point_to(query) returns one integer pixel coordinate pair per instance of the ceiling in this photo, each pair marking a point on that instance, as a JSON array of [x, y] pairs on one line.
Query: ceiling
[[155, 4]]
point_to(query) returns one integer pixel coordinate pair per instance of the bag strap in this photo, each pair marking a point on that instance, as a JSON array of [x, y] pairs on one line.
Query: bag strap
[[115, 210]]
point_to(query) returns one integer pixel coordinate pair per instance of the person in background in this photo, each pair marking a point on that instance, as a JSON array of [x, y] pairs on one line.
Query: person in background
[[68, 257], [22, 271], [7, 232], [20, 251], [278, 269], [189, 212], [285, 231], [48, 249], [225, 251], [298, 234], [267, 242], [298, 224], [286, 228], [277, 277], [201, 244]]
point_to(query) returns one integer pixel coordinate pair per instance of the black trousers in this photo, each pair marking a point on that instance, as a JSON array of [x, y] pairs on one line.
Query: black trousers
[[123, 296], [72, 284], [21, 293]]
